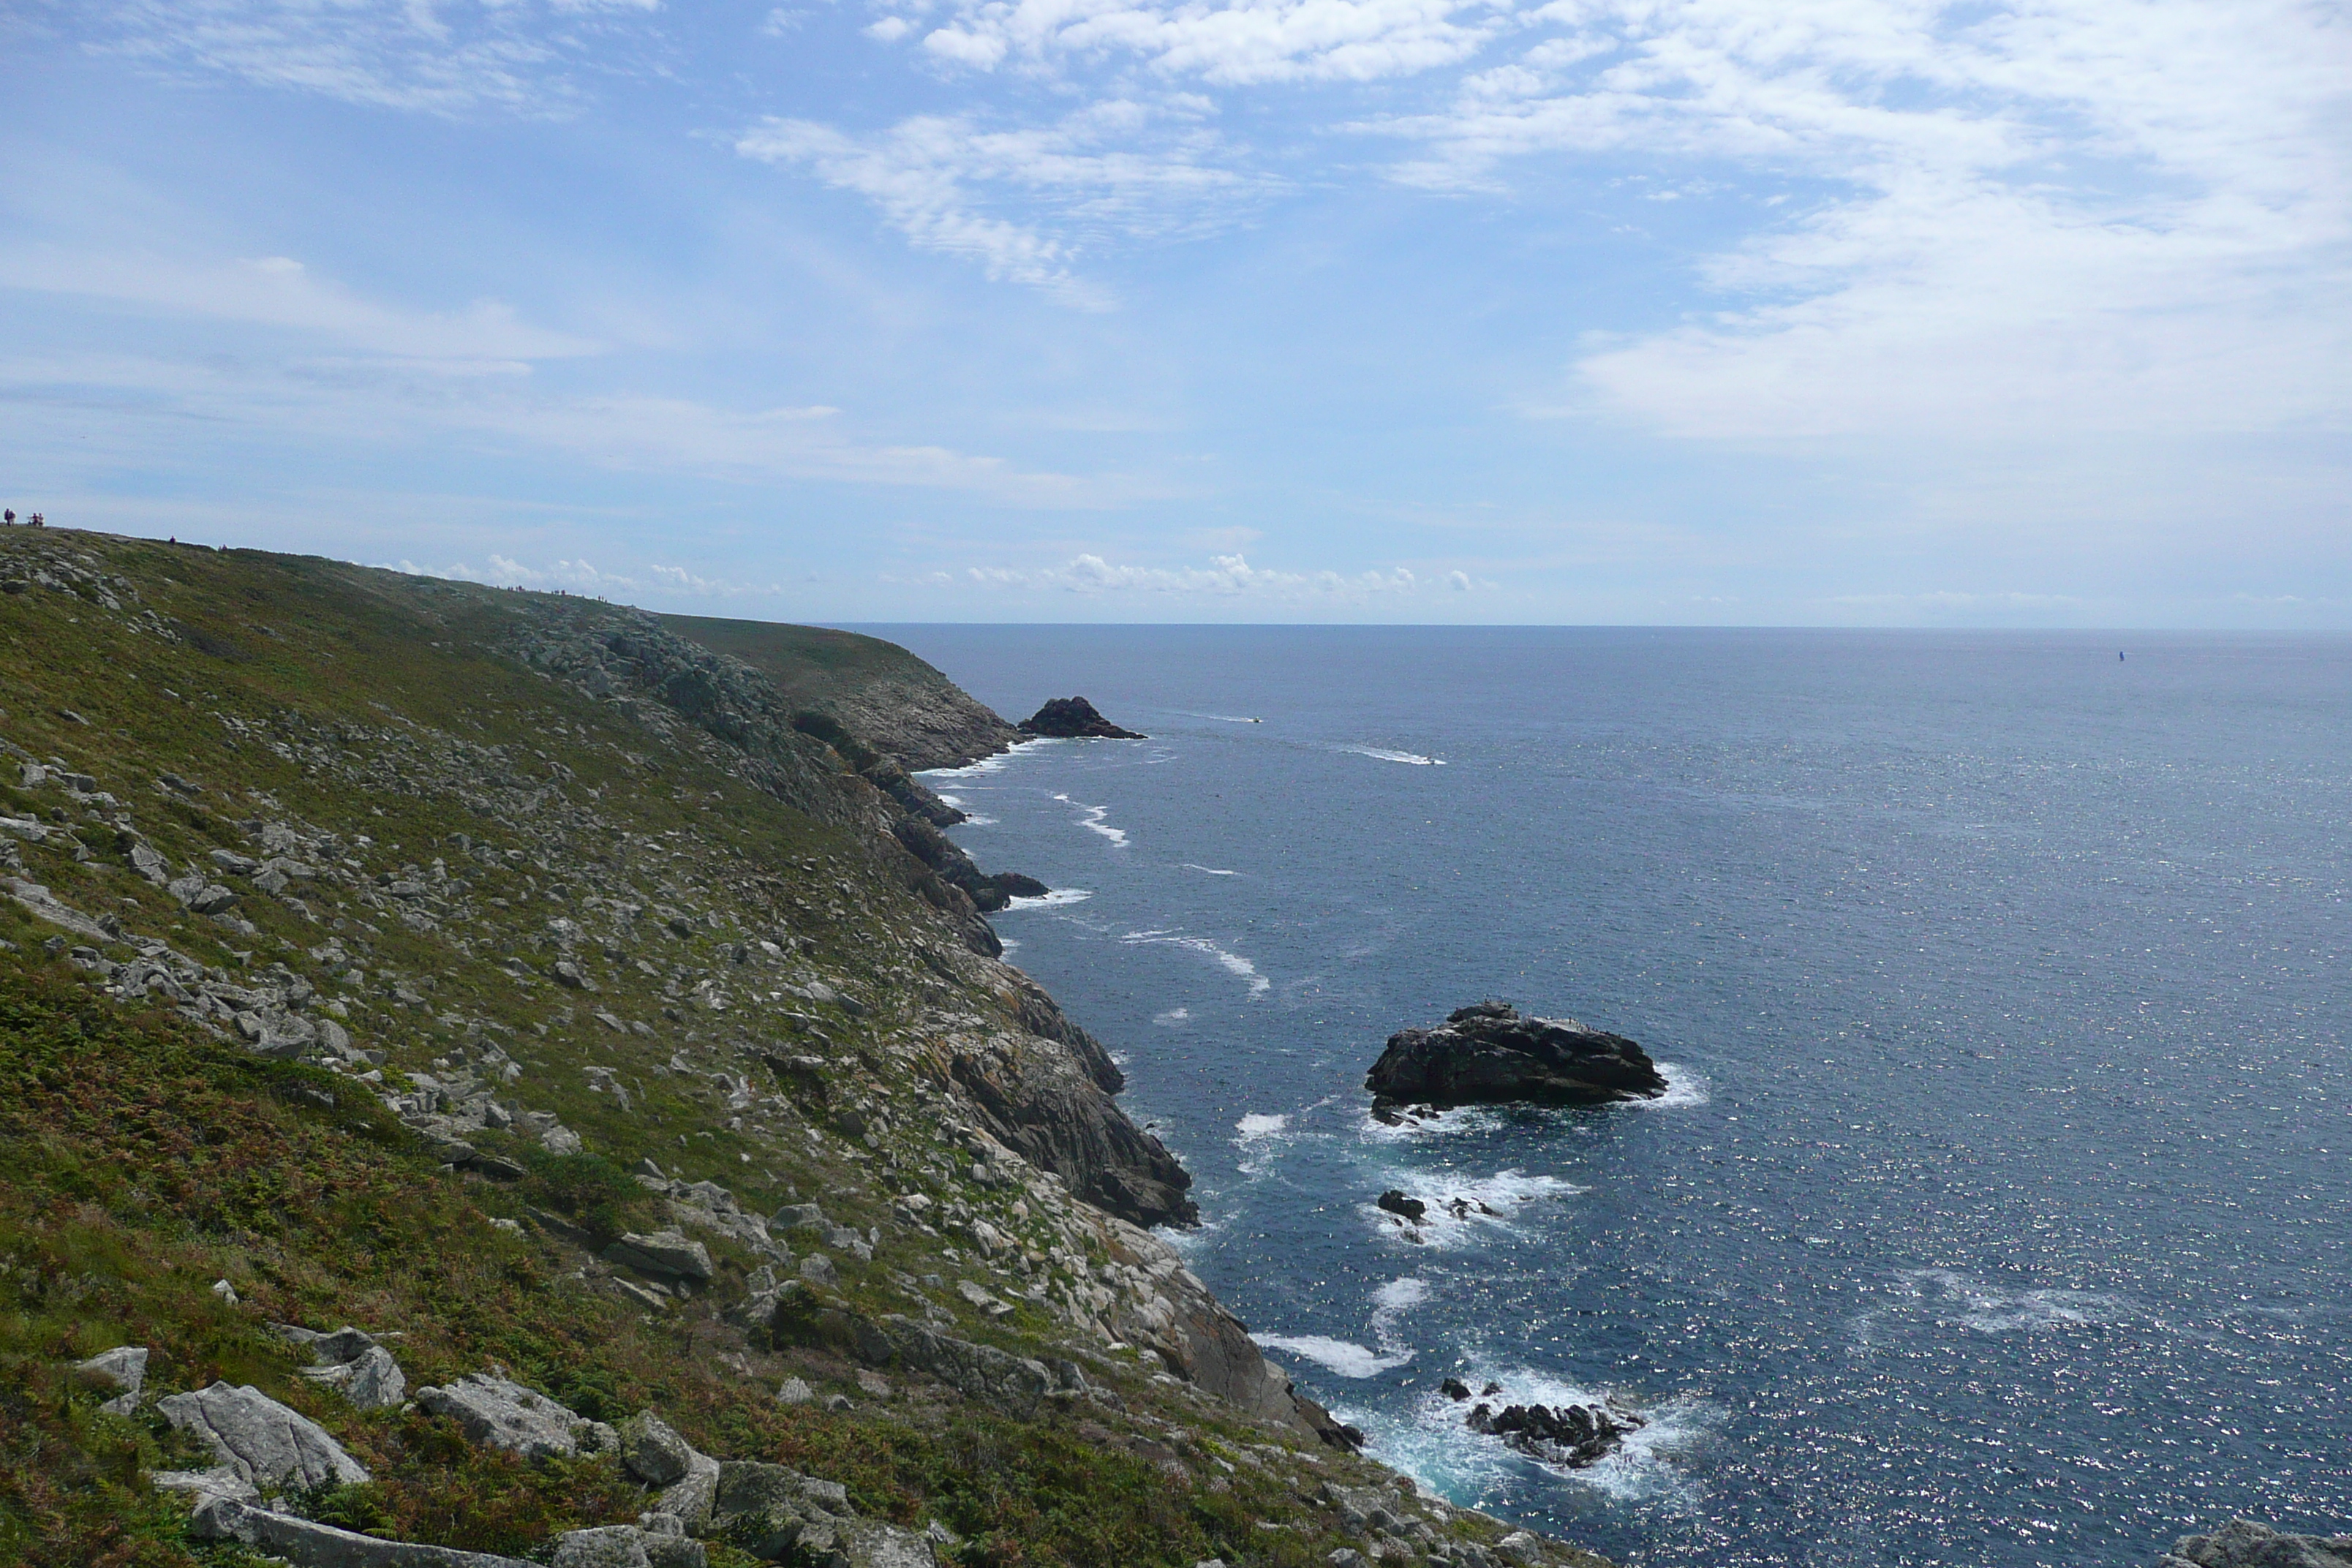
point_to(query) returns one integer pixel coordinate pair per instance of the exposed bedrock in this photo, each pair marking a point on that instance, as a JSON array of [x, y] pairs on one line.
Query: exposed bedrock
[[1073, 718], [1485, 1054], [1039, 1100]]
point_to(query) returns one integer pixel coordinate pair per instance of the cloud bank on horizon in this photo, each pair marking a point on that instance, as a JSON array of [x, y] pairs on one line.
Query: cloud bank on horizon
[[2011, 311]]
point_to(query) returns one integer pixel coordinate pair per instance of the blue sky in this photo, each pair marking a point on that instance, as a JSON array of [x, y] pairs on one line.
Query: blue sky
[[1744, 311]]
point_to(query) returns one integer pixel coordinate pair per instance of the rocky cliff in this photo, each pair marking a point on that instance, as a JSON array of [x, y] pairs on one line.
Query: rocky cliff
[[566, 1019]]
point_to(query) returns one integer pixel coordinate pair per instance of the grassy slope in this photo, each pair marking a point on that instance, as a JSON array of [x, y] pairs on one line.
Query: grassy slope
[[144, 1158]]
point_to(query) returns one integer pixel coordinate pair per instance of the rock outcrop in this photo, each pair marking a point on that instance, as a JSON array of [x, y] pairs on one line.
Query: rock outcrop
[[1073, 718], [256, 1441], [2243, 1543], [1570, 1436], [352, 1363], [1486, 1053], [309, 1544], [497, 1412]]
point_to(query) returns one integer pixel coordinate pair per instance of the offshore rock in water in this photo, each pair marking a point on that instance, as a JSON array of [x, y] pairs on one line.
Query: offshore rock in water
[[2242, 1543], [1073, 718], [1485, 1054], [1574, 1435]]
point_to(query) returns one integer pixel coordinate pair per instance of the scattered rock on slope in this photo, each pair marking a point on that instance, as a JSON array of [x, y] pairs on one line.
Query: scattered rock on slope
[[256, 1441], [1485, 1054], [498, 1414]]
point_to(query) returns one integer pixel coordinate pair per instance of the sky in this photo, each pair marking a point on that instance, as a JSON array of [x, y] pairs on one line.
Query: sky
[[1651, 312]]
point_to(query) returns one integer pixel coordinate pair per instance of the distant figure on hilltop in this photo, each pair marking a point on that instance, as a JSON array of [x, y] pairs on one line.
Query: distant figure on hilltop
[[37, 521], [9, 517]]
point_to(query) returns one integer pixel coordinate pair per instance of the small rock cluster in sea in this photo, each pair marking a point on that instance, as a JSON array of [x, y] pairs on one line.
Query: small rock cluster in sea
[[1573, 1435]]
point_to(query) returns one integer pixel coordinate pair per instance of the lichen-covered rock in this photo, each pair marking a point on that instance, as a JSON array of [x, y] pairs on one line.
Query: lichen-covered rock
[[607, 1546], [351, 1362], [498, 1414], [258, 1440], [309, 1544], [653, 1451], [666, 1253], [124, 1368]]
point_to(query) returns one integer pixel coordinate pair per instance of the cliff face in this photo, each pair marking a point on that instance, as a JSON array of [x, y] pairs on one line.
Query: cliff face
[[875, 689], [519, 974]]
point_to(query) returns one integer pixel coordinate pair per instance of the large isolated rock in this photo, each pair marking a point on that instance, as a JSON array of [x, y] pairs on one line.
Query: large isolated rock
[[1073, 718], [2243, 1543], [1486, 1053], [308, 1544], [499, 1413], [260, 1441]]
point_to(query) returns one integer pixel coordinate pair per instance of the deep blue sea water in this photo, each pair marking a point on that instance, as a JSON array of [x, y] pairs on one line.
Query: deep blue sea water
[[2001, 1214]]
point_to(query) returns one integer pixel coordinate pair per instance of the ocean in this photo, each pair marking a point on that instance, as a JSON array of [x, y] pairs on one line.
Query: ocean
[[2000, 1212]]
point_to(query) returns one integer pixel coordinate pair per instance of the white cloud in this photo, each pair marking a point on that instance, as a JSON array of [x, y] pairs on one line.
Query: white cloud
[[583, 577], [1116, 170], [439, 57], [1225, 576], [2067, 215], [279, 291], [1258, 41]]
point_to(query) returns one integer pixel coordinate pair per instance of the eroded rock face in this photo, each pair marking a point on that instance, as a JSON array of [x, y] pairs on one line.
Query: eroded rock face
[[1073, 718], [260, 1441], [1486, 1053], [2243, 1543], [1046, 1105]]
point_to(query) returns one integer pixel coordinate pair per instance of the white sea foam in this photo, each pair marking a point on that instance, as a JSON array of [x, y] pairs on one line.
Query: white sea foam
[[987, 764], [1486, 1204], [1259, 1137], [1056, 899], [1369, 1129], [1429, 1442], [1093, 821], [1232, 963], [1334, 1355], [1209, 870], [1963, 1303], [1220, 718], [1173, 1016], [1383, 755], [1684, 1088]]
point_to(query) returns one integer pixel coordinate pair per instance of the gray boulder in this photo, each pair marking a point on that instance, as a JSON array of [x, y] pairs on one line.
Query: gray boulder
[[654, 1453], [351, 1362], [862, 1543], [610, 1546], [308, 1544], [260, 1441], [2243, 1543], [666, 1253], [498, 1414], [690, 1499], [768, 1509], [666, 1543], [124, 1368]]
